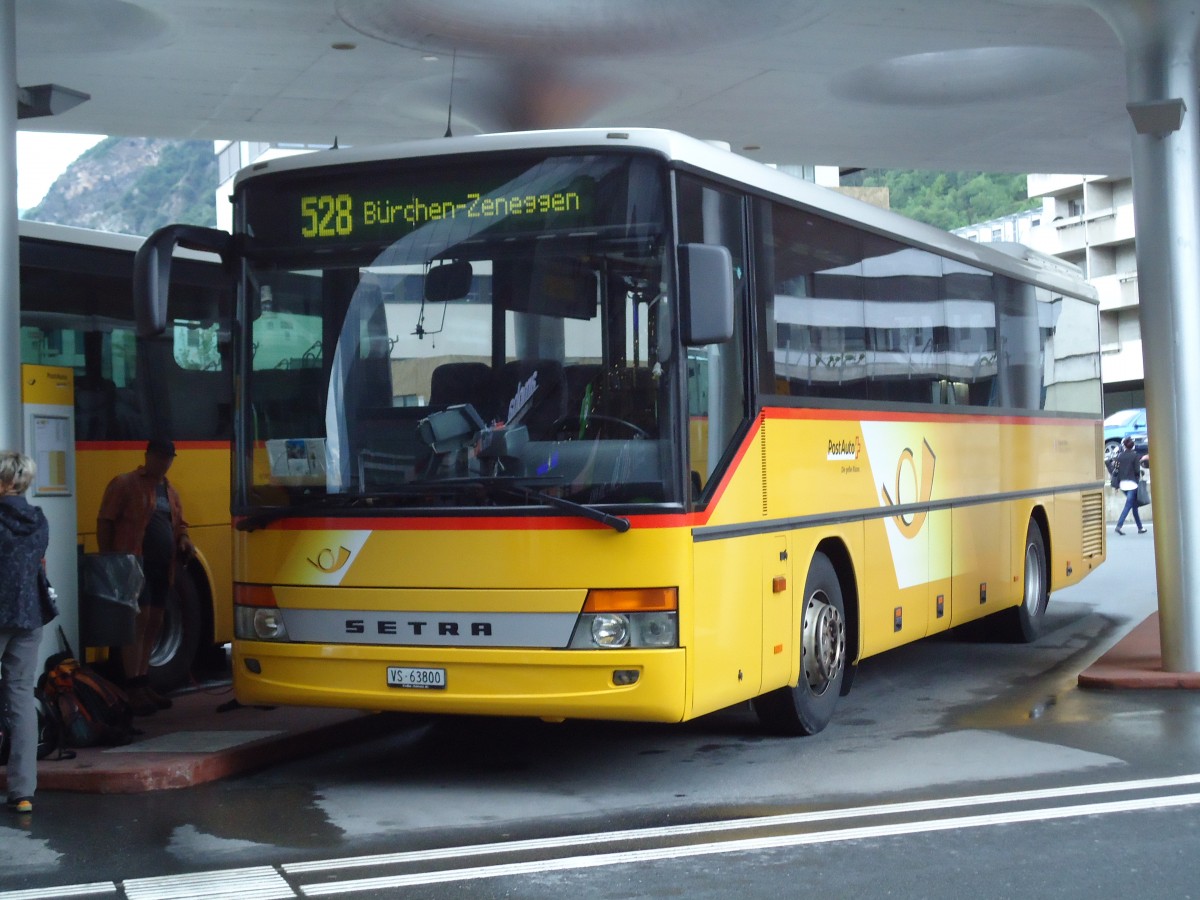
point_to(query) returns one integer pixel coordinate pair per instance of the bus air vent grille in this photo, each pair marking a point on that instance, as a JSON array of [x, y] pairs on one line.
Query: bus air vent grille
[[1093, 524], [762, 446]]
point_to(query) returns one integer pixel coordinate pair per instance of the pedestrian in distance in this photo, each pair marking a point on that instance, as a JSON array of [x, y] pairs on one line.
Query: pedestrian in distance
[[141, 513], [24, 537], [1127, 472]]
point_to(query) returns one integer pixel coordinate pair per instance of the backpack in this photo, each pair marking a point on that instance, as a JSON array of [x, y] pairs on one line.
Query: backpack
[[90, 710]]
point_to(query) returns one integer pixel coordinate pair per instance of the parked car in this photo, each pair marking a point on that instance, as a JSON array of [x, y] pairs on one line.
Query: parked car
[[1122, 424]]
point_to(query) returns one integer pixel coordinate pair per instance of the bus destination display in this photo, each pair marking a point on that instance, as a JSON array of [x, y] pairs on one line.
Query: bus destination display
[[338, 215], [372, 207]]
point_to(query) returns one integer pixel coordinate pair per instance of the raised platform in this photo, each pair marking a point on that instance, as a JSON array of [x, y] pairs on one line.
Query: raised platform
[[1135, 663], [207, 735]]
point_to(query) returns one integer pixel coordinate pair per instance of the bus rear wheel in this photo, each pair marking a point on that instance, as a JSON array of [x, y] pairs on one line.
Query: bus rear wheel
[[173, 653], [1023, 624], [808, 707]]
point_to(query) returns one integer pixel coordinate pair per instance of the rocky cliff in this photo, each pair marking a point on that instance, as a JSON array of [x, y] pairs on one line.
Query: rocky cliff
[[134, 185]]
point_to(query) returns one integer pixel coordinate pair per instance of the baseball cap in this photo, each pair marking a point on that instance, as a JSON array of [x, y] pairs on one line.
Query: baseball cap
[[160, 447]]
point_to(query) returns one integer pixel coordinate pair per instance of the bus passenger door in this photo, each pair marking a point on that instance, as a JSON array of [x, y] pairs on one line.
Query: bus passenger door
[[779, 633]]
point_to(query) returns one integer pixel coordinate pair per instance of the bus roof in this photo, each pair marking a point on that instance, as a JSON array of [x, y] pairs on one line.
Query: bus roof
[[89, 237], [717, 161]]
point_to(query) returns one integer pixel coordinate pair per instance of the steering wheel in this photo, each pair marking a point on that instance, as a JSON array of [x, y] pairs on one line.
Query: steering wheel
[[568, 426]]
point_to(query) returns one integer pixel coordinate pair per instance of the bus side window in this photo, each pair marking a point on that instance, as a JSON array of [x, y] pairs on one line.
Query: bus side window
[[717, 388]]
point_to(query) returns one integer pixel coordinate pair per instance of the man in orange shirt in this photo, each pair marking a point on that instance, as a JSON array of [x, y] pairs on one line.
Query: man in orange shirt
[[141, 514]]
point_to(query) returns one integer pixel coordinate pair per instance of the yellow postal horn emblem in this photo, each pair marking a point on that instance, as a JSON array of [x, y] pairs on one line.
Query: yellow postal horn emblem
[[910, 523], [329, 561]]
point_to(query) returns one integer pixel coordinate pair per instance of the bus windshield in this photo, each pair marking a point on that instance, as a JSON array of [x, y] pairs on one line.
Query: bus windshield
[[459, 335]]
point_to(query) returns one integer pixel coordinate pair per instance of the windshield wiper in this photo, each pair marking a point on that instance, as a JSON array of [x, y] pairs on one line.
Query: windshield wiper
[[520, 487], [326, 502], [524, 487], [517, 486], [618, 524]]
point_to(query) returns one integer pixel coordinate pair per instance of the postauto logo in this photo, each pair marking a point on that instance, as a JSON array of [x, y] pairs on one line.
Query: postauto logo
[[844, 449], [909, 521]]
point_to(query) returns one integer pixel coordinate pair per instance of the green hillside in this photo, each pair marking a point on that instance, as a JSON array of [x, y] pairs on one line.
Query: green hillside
[[949, 200]]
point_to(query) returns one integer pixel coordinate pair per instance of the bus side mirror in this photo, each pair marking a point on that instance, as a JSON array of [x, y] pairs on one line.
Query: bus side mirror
[[706, 294], [152, 270], [449, 281]]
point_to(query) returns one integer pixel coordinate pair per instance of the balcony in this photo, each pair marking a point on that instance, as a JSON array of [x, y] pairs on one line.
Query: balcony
[[1098, 228], [1117, 291]]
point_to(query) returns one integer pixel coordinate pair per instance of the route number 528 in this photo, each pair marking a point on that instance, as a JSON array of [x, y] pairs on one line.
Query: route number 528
[[326, 215]]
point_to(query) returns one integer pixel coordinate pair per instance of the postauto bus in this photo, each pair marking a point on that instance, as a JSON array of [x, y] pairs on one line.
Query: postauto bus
[[618, 424]]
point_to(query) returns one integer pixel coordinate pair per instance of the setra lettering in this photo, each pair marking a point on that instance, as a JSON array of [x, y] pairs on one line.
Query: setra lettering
[[419, 628]]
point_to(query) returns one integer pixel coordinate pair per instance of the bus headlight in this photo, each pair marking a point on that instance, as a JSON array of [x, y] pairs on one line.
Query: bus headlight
[[610, 630], [628, 617], [655, 630], [260, 623], [614, 631], [615, 618]]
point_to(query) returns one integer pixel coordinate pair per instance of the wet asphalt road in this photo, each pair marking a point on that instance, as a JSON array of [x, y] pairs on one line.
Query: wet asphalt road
[[953, 768]]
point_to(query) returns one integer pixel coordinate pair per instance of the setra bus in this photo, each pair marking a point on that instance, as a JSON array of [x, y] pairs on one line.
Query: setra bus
[[76, 311], [618, 424]]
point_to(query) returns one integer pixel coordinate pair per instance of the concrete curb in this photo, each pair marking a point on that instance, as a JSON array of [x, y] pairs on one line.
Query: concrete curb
[[1135, 663], [205, 737]]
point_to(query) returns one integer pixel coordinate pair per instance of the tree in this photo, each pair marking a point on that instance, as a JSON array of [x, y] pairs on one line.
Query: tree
[[949, 200]]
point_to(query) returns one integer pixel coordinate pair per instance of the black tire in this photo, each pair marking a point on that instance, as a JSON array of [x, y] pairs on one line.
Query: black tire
[[808, 707], [1023, 624], [175, 651], [1112, 450]]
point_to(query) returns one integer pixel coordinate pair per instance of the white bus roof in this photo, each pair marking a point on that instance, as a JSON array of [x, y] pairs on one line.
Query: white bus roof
[[88, 237], [705, 156]]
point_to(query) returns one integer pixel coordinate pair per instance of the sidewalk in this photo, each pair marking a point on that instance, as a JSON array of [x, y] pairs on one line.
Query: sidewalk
[[1135, 663], [205, 736]]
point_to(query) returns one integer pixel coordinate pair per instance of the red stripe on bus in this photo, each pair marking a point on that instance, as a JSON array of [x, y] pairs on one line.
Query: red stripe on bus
[[861, 415], [472, 523]]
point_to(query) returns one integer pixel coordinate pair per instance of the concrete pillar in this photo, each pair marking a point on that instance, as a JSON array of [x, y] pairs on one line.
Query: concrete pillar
[[10, 281], [1159, 38]]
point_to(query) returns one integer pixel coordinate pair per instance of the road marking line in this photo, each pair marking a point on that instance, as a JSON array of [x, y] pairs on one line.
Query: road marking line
[[92, 889], [786, 819], [100, 888], [258, 882], [745, 845]]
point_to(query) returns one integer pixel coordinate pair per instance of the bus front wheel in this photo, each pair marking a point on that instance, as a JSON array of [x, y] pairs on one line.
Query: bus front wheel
[[808, 707]]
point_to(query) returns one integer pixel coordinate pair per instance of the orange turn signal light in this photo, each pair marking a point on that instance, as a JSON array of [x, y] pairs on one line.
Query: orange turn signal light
[[254, 595], [631, 600]]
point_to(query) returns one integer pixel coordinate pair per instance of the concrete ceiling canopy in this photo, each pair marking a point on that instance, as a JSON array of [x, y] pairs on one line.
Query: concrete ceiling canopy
[[566, 28], [839, 82], [974, 75], [87, 26]]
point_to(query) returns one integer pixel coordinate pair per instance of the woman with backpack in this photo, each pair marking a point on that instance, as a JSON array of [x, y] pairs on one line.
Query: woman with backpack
[[24, 536]]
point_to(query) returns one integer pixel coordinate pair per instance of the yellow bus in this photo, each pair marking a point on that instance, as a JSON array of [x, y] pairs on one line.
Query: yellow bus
[[77, 311], [621, 425]]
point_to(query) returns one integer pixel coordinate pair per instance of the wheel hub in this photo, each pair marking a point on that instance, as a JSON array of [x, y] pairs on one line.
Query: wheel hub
[[1034, 584], [824, 642]]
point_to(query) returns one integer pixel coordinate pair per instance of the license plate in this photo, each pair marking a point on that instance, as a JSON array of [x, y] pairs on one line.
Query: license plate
[[413, 677]]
